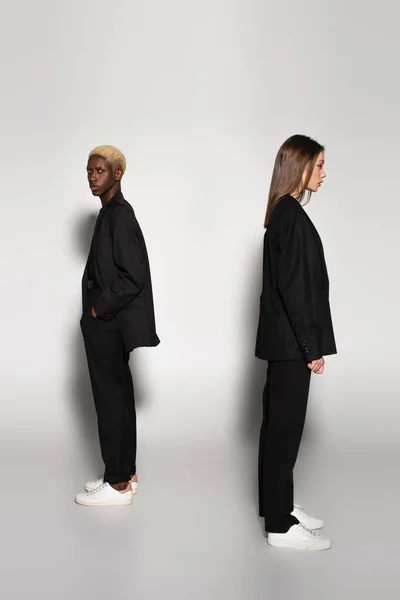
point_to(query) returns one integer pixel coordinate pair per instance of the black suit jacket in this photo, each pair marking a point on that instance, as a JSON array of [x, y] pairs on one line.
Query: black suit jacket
[[121, 268], [295, 319]]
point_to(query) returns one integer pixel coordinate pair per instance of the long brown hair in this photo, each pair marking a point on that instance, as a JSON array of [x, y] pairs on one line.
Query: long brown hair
[[297, 154]]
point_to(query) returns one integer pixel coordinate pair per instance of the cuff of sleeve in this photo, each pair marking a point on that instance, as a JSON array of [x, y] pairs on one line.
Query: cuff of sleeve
[[310, 352]]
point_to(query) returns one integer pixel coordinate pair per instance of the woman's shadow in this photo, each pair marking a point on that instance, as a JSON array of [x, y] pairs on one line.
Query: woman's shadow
[[255, 370], [84, 414], [250, 412]]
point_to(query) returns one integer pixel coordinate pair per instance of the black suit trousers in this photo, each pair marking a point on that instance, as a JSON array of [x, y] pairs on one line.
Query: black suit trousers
[[284, 410], [114, 399]]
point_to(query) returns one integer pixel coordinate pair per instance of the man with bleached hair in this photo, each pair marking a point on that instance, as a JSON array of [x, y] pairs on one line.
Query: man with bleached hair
[[118, 316]]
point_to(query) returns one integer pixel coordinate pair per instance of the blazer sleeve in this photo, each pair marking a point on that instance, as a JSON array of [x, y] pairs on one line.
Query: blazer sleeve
[[127, 255], [294, 284]]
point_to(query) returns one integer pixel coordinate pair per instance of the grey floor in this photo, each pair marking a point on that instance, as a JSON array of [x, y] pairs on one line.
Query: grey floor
[[193, 531]]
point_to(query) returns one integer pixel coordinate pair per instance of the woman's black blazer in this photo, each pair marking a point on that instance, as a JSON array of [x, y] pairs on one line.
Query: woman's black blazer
[[295, 318]]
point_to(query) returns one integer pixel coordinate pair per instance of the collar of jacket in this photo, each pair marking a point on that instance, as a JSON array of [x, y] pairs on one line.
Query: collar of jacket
[[116, 197]]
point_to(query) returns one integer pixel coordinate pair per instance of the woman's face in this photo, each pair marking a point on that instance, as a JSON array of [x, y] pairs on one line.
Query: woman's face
[[318, 174]]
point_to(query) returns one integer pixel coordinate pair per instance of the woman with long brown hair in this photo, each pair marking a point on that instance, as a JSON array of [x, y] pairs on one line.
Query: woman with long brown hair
[[294, 334]]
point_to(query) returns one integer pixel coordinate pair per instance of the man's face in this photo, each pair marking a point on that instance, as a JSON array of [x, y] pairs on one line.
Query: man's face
[[102, 176]]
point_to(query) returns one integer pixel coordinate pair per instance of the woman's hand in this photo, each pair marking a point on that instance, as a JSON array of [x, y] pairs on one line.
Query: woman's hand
[[317, 366]]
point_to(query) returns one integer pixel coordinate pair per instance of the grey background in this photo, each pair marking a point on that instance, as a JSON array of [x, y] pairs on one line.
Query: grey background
[[199, 96]]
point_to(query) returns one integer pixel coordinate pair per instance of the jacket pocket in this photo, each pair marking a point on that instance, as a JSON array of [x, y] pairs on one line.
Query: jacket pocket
[[136, 302]]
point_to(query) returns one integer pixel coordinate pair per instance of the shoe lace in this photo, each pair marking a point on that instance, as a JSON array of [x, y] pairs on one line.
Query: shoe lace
[[308, 532], [301, 509], [97, 490]]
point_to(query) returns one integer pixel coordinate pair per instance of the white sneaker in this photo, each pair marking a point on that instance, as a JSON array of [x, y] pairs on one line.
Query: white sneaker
[[93, 485], [105, 495], [299, 537], [305, 519]]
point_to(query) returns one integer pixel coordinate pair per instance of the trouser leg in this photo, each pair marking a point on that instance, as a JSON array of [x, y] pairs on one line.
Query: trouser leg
[[284, 409], [113, 398], [131, 435]]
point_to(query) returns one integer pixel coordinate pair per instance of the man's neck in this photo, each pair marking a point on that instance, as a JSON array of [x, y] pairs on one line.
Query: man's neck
[[110, 194]]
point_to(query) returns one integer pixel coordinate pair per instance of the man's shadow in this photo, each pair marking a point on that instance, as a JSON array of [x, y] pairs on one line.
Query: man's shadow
[[84, 413]]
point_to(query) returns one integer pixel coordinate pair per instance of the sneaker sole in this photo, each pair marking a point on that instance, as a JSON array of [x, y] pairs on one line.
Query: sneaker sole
[[125, 503], [297, 546]]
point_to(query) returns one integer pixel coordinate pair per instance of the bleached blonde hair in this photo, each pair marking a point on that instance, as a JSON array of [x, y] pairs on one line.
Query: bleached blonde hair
[[112, 155]]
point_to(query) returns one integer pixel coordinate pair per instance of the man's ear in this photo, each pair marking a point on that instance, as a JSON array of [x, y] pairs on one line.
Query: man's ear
[[118, 175]]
